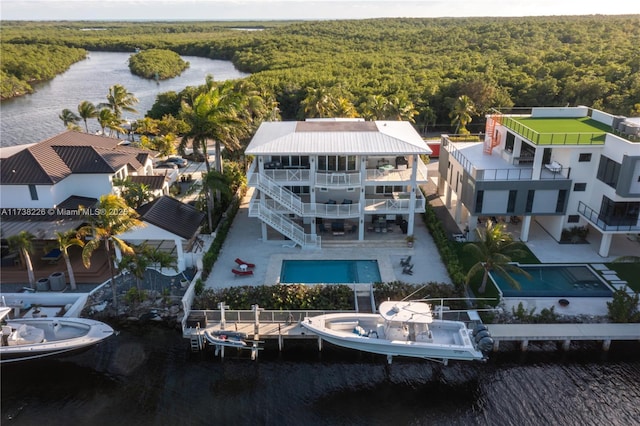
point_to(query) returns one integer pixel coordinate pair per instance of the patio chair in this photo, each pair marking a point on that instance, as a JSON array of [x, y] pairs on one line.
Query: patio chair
[[406, 261], [53, 256], [408, 270], [346, 201], [239, 273], [242, 262]]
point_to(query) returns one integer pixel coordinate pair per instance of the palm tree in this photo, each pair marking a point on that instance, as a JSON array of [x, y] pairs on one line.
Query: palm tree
[[119, 99], [107, 119], [113, 217], [320, 103], [87, 110], [23, 243], [462, 113], [68, 117], [66, 240], [495, 248]]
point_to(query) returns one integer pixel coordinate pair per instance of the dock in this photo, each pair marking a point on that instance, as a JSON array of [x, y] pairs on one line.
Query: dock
[[564, 333], [262, 325]]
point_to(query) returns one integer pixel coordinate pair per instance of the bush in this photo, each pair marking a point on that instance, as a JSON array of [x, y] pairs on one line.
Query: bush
[[624, 307]]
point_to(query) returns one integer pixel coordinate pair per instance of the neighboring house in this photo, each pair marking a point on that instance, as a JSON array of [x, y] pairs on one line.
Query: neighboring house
[[158, 184], [562, 167], [171, 226], [336, 175], [69, 164]]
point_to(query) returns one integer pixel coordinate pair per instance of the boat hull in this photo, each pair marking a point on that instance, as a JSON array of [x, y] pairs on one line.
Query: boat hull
[[321, 325], [75, 335]]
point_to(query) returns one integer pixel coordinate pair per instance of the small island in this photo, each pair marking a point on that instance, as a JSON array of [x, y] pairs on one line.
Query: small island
[[157, 64]]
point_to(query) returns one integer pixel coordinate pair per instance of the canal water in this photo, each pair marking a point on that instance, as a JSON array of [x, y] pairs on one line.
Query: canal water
[[34, 117], [147, 376]]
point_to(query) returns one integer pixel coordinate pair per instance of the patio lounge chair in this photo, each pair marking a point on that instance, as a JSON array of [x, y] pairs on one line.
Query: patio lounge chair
[[408, 270], [239, 273], [53, 256], [405, 261], [242, 262]]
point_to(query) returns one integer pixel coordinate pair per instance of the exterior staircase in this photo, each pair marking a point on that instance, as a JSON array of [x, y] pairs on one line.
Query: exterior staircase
[[284, 225], [490, 139]]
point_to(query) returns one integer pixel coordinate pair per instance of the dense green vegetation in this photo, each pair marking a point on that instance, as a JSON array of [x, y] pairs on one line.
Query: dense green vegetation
[[23, 64], [158, 64], [419, 64]]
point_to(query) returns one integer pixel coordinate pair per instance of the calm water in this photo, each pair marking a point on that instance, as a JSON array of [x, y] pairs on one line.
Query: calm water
[[330, 271], [33, 118], [149, 377], [555, 281]]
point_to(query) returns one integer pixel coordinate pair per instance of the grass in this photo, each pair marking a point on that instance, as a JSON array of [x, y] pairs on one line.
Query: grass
[[560, 131], [629, 272]]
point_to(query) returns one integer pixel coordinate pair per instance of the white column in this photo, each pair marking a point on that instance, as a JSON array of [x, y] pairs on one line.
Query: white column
[[412, 196], [524, 231], [605, 245], [182, 263], [447, 195]]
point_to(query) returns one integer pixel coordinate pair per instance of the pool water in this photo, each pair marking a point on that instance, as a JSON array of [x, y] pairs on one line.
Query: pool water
[[329, 271], [554, 281]]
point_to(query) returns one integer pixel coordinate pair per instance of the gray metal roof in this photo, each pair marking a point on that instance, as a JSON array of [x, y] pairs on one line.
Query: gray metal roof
[[172, 215], [337, 137]]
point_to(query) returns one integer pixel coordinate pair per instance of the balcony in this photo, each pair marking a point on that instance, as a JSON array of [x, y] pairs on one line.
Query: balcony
[[608, 224]]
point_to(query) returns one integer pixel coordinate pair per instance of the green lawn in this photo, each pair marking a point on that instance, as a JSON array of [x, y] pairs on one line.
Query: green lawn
[[560, 131], [629, 272]]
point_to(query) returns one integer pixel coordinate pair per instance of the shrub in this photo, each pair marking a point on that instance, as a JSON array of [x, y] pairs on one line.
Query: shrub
[[623, 307]]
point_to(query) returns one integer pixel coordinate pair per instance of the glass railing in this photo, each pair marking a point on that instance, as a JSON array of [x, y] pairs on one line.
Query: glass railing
[[607, 223]]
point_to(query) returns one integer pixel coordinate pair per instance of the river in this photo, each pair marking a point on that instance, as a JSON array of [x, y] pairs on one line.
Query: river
[[34, 117], [147, 376]]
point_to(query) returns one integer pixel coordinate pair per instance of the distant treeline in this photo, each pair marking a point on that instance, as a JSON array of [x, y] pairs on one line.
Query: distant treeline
[[496, 62]]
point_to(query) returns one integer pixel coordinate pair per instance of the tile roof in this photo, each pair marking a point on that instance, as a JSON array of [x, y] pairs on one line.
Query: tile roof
[[172, 215], [50, 161], [337, 137]]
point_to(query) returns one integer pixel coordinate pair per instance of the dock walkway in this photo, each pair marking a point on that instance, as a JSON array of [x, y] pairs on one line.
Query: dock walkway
[[566, 333]]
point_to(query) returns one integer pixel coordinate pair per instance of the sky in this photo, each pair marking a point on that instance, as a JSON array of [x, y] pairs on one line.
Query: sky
[[212, 10]]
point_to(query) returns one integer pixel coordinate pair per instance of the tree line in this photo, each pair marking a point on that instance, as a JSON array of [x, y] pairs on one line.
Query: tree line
[[426, 64]]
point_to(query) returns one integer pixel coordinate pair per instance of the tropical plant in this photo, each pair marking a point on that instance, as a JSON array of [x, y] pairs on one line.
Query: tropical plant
[[68, 117], [87, 110], [495, 248], [23, 243], [135, 194], [119, 100], [113, 217], [108, 120], [66, 240], [462, 113], [623, 307]]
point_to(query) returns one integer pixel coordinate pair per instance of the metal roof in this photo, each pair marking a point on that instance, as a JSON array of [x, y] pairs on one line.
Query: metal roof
[[50, 161], [337, 137], [172, 215]]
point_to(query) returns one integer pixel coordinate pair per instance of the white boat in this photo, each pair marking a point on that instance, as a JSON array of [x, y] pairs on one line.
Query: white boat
[[406, 328], [233, 339], [33, 338]]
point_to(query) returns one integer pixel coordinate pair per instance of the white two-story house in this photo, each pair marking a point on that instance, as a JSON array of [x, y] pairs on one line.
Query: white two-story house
[[562, 167], [344, 177]]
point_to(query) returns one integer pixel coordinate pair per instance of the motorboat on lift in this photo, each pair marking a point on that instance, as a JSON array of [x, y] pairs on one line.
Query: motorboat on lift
[[33, 338], [403, 328]]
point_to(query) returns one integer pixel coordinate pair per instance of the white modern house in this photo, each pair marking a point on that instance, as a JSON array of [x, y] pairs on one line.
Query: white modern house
[[561, 167], [346, 177]]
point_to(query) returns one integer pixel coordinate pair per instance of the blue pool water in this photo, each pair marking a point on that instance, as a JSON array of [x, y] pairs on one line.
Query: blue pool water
[[555, 281], [329, 271]]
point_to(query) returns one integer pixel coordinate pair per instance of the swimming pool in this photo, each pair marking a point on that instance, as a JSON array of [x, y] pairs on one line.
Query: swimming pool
[[329, 271], [554, 281]]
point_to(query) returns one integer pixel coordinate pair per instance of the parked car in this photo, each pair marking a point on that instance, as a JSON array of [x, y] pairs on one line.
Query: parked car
[[165, 165], [178, 161]]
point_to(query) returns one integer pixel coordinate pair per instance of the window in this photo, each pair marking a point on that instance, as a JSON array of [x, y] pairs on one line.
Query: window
[[562, 196], [573, 218], [579, 187], [511, 204], [34, 192], [479, 200], [336, 163], [619, 213], [387, 190], [608, 171], [584, 157], [530, 195]]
